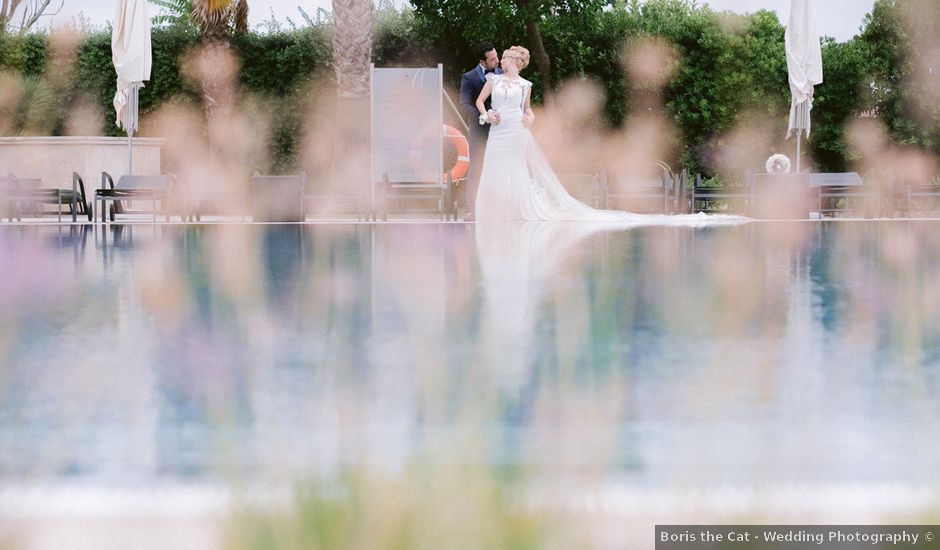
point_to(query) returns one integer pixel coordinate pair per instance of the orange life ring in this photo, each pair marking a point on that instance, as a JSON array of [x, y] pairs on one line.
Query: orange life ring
[[459, 141]]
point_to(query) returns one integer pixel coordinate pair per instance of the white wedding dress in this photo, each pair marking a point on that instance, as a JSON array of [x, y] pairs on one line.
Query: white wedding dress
[[518, 184]]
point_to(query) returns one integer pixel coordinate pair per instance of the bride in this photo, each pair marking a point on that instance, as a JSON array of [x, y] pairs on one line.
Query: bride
[[517, 183]]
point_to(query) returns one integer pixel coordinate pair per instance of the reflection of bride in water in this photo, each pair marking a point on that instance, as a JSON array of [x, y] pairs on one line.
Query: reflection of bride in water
[[518, 263], [517, 183]]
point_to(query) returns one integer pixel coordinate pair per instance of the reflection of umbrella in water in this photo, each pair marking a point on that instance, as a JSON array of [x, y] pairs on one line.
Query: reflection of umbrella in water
[[804, 66], [132, 58]]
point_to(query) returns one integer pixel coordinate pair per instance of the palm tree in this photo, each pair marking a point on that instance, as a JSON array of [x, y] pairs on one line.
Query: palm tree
[[216, 18], [217, 67], [352, 46], [352, 52]]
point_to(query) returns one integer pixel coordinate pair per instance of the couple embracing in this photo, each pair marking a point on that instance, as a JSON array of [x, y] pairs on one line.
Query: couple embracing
[[510, 179], [514, 182]]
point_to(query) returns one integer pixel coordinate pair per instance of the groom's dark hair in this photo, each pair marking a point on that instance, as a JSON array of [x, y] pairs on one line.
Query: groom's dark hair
[[483, 48]]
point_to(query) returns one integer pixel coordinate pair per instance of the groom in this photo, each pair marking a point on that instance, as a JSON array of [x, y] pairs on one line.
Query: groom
[[471, 84]]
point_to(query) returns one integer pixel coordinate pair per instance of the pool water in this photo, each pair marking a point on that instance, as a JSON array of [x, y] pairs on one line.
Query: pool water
[[764, 353]]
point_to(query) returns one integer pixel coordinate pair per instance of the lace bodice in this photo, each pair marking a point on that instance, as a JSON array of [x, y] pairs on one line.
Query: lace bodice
[[509, 93]]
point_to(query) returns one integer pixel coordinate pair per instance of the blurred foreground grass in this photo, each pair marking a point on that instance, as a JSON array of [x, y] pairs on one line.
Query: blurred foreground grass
[[424, 506]]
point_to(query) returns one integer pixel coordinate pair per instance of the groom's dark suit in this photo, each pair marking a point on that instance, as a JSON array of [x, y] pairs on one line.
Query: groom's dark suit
[[471, 84]]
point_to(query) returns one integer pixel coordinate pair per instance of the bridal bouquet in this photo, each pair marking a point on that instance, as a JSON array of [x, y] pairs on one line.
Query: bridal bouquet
[[778, 164]]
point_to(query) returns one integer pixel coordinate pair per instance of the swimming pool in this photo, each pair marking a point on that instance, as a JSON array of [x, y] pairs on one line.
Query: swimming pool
[[803, 353]]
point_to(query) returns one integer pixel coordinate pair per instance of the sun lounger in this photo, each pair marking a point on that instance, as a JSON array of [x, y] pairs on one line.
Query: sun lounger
[[724, 197], [388, 192], [26, 197], [149, 189], [277, 198], [587, 187], [842, 192], [640, 194]]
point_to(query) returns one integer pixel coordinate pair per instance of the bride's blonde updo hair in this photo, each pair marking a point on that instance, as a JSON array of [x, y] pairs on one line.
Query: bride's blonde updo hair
[[523, 54]]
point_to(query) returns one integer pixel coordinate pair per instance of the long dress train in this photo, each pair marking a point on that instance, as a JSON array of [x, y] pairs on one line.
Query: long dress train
[[518, 184]]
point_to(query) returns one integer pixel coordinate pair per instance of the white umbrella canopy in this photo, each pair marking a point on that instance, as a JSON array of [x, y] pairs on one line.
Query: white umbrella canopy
[[804, 66], [132, 57]]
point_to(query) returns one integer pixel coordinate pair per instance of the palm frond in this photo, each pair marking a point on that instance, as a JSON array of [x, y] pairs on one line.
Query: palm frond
[[216, 18], [175, 12]]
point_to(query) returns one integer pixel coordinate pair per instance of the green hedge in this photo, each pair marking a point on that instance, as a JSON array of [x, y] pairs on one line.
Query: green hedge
[[728, 65], [275, 66]]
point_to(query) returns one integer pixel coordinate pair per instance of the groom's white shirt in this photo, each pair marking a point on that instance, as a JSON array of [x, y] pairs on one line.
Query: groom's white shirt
[[481, 72]]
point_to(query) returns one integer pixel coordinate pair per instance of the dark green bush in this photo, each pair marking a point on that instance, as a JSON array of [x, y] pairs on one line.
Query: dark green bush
[[727, 66]]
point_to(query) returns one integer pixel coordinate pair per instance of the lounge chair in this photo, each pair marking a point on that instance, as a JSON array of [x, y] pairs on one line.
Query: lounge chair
[[153, 189], [842, 192], [388, 191], [319, 195], [783, 196], [655, 193], [13, 192], [74, 198], [587, 187], [277, 198], [26, 196], [719, 198], [920, 198]]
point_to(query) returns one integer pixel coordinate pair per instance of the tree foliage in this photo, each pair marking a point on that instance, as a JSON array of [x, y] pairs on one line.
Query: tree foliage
[[173, 12], [901, 51], [215, 19], [21, 15], [728, 67]]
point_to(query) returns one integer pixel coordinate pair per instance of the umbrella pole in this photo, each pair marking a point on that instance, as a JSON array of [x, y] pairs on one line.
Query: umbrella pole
[[799, 137], [130, 153]]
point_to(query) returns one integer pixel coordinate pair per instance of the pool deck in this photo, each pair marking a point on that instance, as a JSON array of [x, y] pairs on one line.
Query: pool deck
[[199, 516], [410, 218]]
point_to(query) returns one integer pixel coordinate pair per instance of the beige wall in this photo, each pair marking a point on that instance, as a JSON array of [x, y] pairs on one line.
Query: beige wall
[[55, 158]]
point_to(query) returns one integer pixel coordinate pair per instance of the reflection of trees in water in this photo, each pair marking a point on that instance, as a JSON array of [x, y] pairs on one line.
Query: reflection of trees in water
[[242, 372], [205, 419], [74, 393], [202, 365], [334, 321], [876, 284], [764, 330], [628, 350], [831, 298], [312, 346], [283, 254]]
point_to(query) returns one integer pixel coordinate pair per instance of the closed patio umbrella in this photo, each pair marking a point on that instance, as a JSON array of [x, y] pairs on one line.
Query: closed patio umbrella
[[804, 67], [132, 58]]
